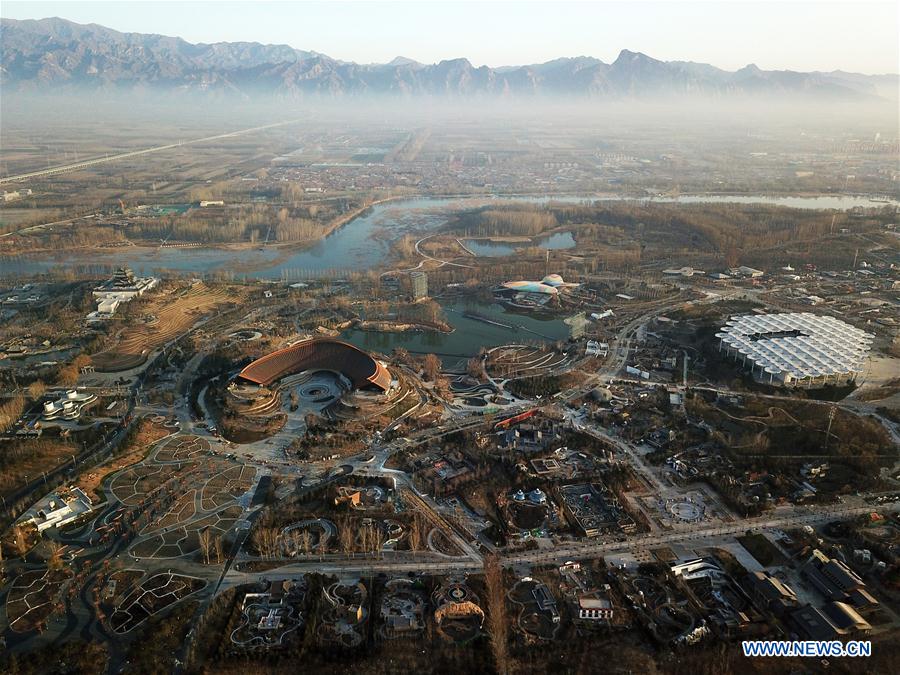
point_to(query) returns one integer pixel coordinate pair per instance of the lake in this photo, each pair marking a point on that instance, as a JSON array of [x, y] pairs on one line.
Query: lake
[[470, 334]]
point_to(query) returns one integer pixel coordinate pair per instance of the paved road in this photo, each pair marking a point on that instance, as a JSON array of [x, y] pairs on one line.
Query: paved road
[[28, 228], [795, 517], [791, 518], [437, 260], [135, 153]]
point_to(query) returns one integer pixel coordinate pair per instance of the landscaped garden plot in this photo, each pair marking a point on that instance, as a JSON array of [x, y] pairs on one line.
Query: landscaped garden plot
[[118, 584], [33, 597], [185, 539], [180, 512], [132, 485], [181, 448], [226, 486], [147, 433], [154, 595]]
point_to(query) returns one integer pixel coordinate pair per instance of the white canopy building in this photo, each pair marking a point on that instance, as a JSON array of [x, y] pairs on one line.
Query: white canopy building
[[796, 350], [69, 406]]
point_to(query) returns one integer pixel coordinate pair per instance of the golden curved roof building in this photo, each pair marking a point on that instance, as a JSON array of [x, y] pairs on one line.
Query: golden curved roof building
[[360, 368]]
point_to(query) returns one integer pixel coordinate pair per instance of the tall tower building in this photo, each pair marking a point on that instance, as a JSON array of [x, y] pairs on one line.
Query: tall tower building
[[419, 283]]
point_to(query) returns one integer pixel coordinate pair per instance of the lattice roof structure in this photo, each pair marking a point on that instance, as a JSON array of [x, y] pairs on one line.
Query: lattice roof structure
[[797, 348]]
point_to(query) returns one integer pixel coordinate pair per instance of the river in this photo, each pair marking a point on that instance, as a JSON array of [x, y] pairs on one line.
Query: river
[[361, 244]]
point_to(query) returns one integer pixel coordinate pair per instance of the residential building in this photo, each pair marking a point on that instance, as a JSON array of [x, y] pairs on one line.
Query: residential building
[[419, 285]]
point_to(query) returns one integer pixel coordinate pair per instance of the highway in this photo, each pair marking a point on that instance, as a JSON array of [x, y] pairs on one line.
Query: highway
[[29, 228], [135, 153]]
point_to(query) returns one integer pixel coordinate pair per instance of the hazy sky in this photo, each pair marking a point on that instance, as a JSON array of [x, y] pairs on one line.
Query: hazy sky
[[812, 35]]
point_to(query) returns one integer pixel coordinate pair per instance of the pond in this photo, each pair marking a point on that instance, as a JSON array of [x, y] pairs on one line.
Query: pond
[[495, 249]]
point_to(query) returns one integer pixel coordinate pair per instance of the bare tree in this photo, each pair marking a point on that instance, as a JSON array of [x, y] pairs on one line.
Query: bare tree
[[346, 536], [205, 538], [266, 541], [295, 542], [377, 539], [416, 534], [273, 537], [11, 410], [364, 538], [19, 540], [67, 376], [431, 367], [220, 548], [36, 390], [305, 541], [54, 555], [497, 620]]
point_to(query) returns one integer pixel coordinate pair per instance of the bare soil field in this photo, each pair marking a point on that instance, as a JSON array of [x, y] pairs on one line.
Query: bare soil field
[[881, 380]]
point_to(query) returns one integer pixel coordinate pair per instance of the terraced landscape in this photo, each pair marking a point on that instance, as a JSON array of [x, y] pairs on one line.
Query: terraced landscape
[[167, 318], [513, 361]]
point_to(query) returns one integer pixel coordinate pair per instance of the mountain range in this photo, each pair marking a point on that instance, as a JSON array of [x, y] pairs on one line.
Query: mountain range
[[58, 55]]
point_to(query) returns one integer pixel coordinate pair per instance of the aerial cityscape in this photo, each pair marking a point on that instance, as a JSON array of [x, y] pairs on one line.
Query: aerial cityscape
[[316, 359]]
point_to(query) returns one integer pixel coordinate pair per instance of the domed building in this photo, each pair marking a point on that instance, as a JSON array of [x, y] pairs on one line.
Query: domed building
[[535, 292], [537, 496]]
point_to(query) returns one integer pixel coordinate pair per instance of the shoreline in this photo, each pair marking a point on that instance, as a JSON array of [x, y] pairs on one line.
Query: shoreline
[[402, 327], [87, 255]]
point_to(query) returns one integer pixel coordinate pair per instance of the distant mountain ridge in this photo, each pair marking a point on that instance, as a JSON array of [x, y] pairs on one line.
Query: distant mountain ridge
[[59, 55]]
